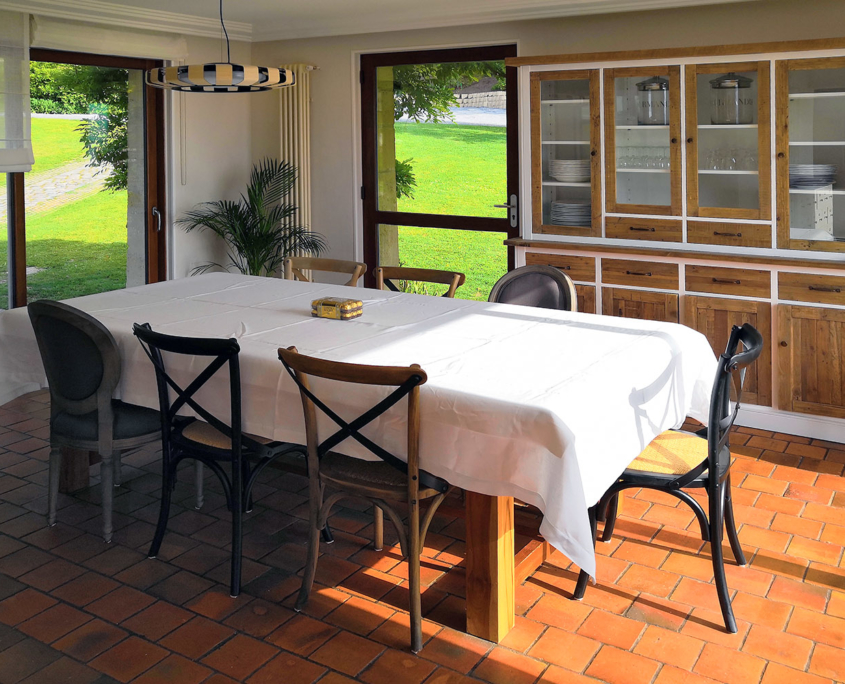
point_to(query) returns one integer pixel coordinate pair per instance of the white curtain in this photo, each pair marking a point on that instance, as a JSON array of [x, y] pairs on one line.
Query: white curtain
[[15, 139], [76, 36], [295, 123]]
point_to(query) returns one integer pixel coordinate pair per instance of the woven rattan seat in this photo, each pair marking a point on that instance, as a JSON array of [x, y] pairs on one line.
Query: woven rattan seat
[[671, 453], [207, 435], [377, 477]]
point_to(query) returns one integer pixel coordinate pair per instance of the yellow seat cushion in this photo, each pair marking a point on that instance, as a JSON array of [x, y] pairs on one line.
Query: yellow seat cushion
[[201, 432], [671, 453]]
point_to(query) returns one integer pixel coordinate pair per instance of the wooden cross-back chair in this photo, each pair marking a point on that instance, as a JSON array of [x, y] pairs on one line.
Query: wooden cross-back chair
[[675, 461], [207, 439], [384, 483], [295, 267], [386, 275], [82, 364]]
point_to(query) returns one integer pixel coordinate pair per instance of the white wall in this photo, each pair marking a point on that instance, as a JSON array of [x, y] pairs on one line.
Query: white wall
[[334, 87], [215, 160]]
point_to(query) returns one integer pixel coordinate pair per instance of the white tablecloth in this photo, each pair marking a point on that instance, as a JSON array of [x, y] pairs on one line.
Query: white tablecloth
[[545, 406]]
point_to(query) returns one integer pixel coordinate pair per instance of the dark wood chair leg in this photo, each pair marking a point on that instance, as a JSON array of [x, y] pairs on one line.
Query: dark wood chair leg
[[167, 479], [378, 528], [414, 599], [610, 518], [583, 577], [730, 525], [716, 525], [237, 525], [316, 503]]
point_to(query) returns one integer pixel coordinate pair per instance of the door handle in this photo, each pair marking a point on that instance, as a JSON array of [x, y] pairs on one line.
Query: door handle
[[157, 215], [512, 206]]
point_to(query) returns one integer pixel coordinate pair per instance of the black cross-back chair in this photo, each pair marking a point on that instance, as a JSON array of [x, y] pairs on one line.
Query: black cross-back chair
[[82, 364], [390, 480], [207, 439], [545, 287], [677, 460]]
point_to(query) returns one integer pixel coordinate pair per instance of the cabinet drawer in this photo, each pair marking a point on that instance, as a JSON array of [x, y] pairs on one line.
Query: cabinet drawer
[[579, 268], [639, 273], [643, 229], [818, 289], [640, 304], [732, 281], [586, 298], [734, 234]]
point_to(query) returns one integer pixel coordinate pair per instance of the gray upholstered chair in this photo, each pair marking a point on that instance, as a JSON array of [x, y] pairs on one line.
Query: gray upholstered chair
[[82, 364], [545, 287]]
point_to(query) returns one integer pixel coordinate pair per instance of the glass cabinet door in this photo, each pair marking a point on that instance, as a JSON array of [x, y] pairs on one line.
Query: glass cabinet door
[[565, 160], [728, 141], [810, 110], [642, 132]]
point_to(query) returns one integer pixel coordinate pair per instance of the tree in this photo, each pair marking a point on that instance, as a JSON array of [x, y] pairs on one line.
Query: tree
[[424, 92]]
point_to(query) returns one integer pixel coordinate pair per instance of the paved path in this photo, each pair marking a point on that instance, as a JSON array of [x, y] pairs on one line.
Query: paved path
[[57, 187], [473, 116]]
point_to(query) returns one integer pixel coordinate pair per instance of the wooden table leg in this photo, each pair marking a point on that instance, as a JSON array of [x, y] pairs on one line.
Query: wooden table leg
[[74, 471], [490, 566]]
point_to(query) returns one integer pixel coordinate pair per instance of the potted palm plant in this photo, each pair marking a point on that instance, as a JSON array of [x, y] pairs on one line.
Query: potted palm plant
[[259, 229]]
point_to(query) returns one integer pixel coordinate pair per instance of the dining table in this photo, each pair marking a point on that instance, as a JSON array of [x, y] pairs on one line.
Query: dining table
[[546, 407]]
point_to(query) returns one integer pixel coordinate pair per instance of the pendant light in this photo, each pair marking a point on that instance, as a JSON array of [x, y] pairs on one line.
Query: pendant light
[[220, 77]]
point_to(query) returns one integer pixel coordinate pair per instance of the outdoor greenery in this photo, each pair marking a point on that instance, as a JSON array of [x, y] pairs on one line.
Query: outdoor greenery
[[54, 143], [71, 89], [258, 229], [459, 170], [81, 246]]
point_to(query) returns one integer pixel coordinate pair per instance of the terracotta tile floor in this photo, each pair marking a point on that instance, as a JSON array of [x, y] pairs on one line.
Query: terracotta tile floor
[[75, 610]]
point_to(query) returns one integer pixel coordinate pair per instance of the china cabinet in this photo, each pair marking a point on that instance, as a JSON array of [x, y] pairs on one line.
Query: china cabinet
[[702, 186]]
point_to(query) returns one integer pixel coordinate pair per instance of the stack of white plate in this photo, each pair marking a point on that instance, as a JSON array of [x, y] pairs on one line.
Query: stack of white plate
[[811, 175], [571, 214], [570, 170]]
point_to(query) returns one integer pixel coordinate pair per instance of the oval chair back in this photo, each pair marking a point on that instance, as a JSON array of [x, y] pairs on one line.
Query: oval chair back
[[544, 287]]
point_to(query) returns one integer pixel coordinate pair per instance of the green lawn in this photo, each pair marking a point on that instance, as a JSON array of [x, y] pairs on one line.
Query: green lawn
[[81, 246], [55, 142], [459, 170]]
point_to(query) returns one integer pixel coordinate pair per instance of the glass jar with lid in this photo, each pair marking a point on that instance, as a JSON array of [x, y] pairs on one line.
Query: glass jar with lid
[[653, 101], [732, 101]]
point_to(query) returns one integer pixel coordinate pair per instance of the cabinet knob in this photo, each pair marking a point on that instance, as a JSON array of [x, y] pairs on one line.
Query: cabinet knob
[[593, 153], [783, 343], [781, 155], [689, 140], [674, 140]]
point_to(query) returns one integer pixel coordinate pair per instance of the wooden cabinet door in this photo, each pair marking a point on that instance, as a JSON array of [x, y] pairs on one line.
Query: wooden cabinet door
[[649, 306], [714, 317], [586, 298], [811, 360], [565, 152]]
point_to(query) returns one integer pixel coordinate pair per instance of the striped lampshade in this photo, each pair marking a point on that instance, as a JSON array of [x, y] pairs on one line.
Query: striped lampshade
[[219, 77]]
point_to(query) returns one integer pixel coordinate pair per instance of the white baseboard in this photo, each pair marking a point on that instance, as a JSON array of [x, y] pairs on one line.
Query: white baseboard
[[815, 427]]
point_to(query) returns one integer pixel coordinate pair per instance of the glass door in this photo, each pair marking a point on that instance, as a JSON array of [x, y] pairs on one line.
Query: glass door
[[642, 133], [565, 159], [440, 163], [84, 219], [810, 107], [728, 141]]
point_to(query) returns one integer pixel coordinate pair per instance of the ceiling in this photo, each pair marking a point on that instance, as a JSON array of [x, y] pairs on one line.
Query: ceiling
[[257, 20]]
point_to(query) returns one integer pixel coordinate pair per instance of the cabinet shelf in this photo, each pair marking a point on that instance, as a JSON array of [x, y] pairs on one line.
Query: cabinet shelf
[[813, 96], [725, 127], [727, 172], [583, 101], [814, 143], [642, 170], [566, 142], [562, 184], [813, 191], [643, 127]]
